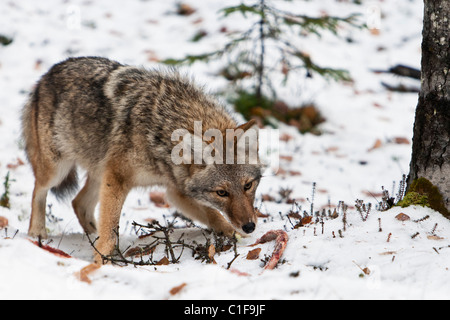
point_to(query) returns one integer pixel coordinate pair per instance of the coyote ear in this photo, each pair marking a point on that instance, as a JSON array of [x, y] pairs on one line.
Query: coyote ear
[[247, 125]]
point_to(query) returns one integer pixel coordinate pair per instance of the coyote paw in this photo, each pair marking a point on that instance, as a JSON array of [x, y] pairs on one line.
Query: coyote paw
[[38, 233]]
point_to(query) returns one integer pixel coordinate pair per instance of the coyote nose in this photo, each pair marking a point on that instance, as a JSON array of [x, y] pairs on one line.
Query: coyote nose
[[249, 227]]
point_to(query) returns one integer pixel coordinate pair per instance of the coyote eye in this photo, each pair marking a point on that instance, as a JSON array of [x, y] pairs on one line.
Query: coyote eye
[[222, 193], [248, 186]]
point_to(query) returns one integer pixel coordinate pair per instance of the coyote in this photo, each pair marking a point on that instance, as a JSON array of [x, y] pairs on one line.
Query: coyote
[[116, 121]]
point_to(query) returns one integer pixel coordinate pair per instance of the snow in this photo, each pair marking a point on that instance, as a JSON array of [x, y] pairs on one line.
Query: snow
[[405, 260]]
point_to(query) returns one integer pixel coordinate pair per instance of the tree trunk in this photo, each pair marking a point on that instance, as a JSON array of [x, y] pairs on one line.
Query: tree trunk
[[431, 152]]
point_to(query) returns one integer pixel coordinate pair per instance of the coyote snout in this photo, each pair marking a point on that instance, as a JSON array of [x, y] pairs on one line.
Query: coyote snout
[[116, 122]]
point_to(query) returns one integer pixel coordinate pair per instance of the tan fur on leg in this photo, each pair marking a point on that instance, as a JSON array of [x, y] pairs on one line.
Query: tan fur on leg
[[113, 192]]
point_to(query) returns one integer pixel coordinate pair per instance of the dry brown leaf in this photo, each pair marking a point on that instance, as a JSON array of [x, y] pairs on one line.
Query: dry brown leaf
[[163, 262], [377, 105], [374, 31], [376, 145], [84, 273], [374, 194], [259, 214], [287, 158], [401, 140], [19, 162], [267, 197], [366, 271], [304, 221], [286, 137], [3, 222], [185, 9], [434, 237], [253, 254], [177, 289], [402, 217], [159, 199], [387, 253], [211, 253], [332, 149], [139, 251]]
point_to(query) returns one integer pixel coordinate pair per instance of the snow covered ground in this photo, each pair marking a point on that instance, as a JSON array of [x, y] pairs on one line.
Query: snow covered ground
[[365, 145]]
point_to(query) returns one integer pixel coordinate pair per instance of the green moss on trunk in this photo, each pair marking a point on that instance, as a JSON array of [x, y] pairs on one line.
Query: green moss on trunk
[[422, 192]]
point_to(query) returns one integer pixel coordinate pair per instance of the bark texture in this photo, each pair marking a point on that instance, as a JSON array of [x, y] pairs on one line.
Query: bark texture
[[431, 152]]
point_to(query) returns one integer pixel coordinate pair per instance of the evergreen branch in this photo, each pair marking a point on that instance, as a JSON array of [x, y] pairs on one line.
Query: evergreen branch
[[314, 24], [242, 8], [308, 64], [190, 59]]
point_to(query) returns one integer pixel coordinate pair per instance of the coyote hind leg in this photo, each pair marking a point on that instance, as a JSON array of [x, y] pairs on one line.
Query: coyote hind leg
[[85, 202], [47, 175], [38, 204]]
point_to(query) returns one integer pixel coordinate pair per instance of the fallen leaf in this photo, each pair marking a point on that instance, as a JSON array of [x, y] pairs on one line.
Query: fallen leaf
[[401, 140], [295, 215], [374, 31], [377, 105], [374, 194], [287, 158], [286, 137], [3, 222], [159, 199], [267, 197], [185, 9], [177, 289], [402, 217], [376, 145], [139, 251], [332, 149], [304, 221], [259, 214], [253, 254], [19, 162], [281, 172], [365, 270], [83, 274], [163, 262], [211, 253], [434, 237], [38, 64], [387, 253], [335, 214], [224, 248]]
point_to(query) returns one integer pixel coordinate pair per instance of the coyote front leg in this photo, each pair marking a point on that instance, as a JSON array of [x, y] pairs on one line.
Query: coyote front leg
[[113, 192]]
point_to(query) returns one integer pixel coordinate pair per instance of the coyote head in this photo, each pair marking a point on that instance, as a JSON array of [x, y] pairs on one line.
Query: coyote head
[[230, 189], [230, 185]]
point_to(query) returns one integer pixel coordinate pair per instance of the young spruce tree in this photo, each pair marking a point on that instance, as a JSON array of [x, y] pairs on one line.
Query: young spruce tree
[[267, 46]]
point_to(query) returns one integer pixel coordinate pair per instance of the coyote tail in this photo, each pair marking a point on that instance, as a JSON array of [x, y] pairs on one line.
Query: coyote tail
[[67, 187]]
